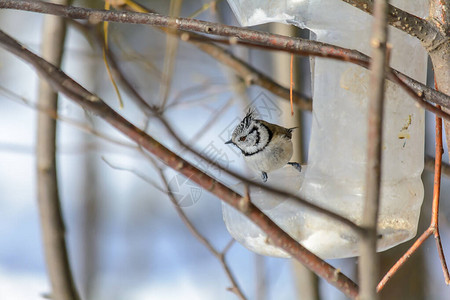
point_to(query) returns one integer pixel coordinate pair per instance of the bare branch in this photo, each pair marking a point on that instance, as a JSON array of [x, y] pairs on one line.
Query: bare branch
[[440, 15], [249, 74], [404, 258], [64, 84], [294, 45], [169, 56], [429, 165], [246, 72], [368, 260], [71, 121], [434, 225], [194, 231], [436, 198], [52, 222], [148, 109], [440, 57], [402, 20]]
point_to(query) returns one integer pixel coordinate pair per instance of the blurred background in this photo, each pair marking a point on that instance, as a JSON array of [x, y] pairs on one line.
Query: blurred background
[[125, 239]]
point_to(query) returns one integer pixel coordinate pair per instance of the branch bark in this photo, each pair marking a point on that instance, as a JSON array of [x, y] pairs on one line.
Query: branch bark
[[402, 20], [270, 41], [52, 223], [152, 110], [220, 256], [440, 15], [246, 72], [64, 84], [368, 260], [434, 34], [440, 55]]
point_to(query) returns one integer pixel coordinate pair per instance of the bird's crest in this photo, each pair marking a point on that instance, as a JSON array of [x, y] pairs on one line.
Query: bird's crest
[[249, 117]]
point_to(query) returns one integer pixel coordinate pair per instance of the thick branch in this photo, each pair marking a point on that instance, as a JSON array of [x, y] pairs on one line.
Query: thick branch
[[64, 84], [126, 83], [52, 223], [440, 57], [404, 21], [440, 15], [242, 69], [246, 72], [194, 231], [250, 75], [272, 41]]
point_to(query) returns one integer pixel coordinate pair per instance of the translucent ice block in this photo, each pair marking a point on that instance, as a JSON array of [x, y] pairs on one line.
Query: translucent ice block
[[335, 173]]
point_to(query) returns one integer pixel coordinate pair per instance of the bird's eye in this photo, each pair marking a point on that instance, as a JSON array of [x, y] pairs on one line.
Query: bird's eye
[[242, 138]]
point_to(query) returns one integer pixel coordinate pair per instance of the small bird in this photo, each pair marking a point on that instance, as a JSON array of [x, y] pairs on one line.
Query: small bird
[[266, 147]]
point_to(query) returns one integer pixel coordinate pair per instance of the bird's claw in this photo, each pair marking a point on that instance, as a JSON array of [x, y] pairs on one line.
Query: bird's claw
[[296, 165], [264, 176]]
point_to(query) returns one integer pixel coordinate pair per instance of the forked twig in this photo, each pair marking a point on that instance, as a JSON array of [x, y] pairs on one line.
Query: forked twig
[[219, 255], [64, 84], [434, 226], [154, 110], [277, 42]]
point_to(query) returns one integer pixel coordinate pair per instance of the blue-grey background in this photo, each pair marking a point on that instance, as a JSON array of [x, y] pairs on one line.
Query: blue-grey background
[[125, 240]]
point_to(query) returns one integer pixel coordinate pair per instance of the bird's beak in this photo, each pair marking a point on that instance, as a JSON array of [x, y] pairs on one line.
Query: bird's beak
[[229, 142]]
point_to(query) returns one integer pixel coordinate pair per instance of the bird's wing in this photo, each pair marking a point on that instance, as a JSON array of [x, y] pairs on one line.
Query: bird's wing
[[287, 132]]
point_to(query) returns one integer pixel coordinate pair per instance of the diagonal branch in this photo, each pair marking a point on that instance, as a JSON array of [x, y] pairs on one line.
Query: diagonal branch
[[220, 256], [245, 71], [273, 41], [404, 21], [440, 15], [153, 110], [433, 229], [64, 84]]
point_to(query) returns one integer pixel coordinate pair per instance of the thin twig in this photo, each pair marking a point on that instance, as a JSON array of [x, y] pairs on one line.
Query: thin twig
[[404, 258], [402, 20], [294, 45], [368, 261], [52, 222], [286, 195], [436, 198], [148, 109], [51, 113], [291, 83], [220, 256], [246, 72], [136, 173], [429, 165], [170, 54], [433, 228], [64, 84], [419, 97], [439, 15], [234, 286], [418, 91]]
